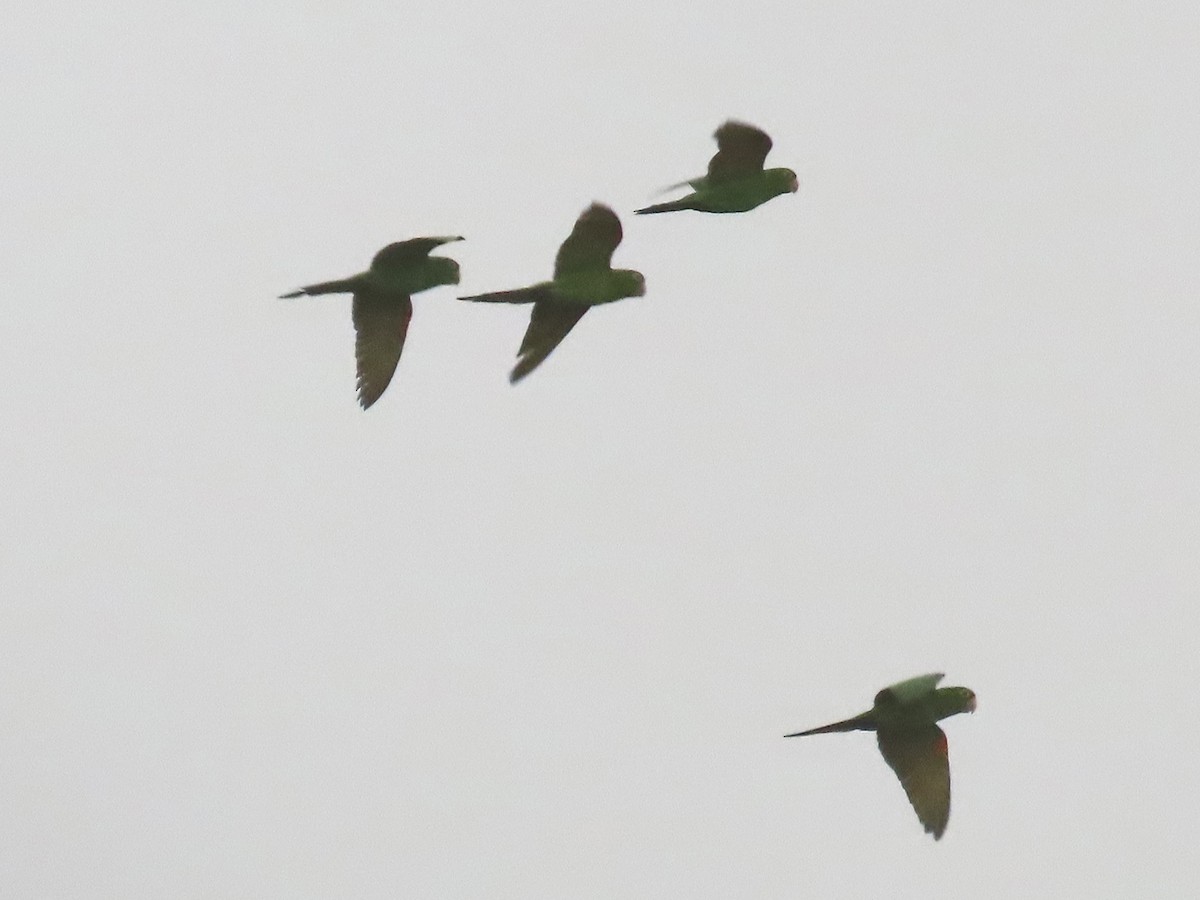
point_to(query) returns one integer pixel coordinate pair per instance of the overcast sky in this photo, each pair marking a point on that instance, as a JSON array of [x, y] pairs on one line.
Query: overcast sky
[[938, 411]]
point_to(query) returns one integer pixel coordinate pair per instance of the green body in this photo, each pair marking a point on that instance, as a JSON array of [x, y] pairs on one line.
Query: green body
[[736, 180], [398, 270], [411, 278], [382, 306], [737, 195], [904, 718], [592, 288], [583, 278]]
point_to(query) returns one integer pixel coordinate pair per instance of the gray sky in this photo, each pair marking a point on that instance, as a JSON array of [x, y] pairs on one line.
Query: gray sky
[[939, 411]]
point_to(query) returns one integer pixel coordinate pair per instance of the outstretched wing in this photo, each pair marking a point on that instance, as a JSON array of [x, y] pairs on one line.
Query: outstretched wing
[[741, 150], [902, 693], [380, 326], [921, 760], [549, 324], [590, 246], [405, 253]]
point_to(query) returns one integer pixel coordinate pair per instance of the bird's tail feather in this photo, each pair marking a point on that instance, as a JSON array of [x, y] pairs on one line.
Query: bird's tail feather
[[865, 722], [341, 286], [520, 295], [670, 206]]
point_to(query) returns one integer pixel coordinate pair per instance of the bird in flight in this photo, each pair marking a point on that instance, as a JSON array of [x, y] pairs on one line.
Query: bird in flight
[[904, 719], [736, 180], [583, 278], [382, 305]]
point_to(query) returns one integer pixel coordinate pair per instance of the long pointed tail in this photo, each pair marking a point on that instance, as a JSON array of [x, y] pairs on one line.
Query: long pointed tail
[[520, 295], [864, 722], [341, 286], [670, 206]]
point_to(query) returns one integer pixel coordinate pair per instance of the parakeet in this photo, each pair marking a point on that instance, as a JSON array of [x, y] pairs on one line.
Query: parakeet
[[736, 180], [583, 278], [382, 305], [904, 719]]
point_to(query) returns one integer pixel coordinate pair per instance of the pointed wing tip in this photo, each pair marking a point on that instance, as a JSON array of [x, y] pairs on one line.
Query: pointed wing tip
[[299, 293], [737, 125], [936, 828], [527, 361], [597, 211], [367, 393], [365, 400]]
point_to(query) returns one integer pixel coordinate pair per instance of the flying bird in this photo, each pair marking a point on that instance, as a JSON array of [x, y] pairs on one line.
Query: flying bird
[[904, 719], [382, 305], [736, 180], [583, 278]]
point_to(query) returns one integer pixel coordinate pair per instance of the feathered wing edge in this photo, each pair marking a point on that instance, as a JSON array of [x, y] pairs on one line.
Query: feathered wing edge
[[549, 324], [380, 327], [920, 758]]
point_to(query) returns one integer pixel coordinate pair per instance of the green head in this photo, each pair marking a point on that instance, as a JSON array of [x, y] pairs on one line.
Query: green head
[[950, 701], [918, 700], [631, 283], [443, 270], [783, 179]]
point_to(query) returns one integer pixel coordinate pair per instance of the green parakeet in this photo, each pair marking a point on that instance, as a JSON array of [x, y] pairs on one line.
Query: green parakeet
[[583, 278], [904, 719], [382, 305], [736, 180]]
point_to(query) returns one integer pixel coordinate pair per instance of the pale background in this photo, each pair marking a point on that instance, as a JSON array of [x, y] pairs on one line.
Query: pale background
[[938, 411]]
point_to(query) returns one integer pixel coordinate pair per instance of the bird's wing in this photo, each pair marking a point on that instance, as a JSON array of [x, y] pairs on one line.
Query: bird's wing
[[921, 760], [548, 325], [694, 183], [741, 150], [405, 253], [380, 326], [590, 245], [905, 692]]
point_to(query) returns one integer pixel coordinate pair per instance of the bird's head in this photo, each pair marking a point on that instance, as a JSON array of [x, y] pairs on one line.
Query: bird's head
[[630, 282], [446, 269], [959, 700], [782, 181], [950, 701]]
